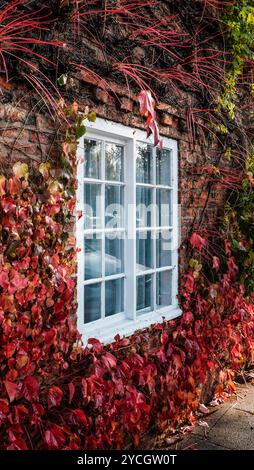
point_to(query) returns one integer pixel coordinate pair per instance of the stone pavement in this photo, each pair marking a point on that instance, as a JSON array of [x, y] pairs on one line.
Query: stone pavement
[[231, 425]]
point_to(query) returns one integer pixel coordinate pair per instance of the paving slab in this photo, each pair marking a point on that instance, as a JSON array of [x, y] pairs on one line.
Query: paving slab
[[197, 443], [245, 400], [234, 430], [216, 413]]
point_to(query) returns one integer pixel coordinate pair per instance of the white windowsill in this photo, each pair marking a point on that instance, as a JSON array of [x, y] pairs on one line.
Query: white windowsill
[[106, 330]]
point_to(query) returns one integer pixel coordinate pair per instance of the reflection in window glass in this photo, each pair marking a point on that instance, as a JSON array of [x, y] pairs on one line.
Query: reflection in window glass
[[92, 159], [92, 302], [144, 206], [163, 209], [114, 162], [92, 257], [144, 292], [144, 251], [144, 163], [163, 167], [163, 248], [113, 206], [114, 297], [113, 254], [163, 289], [92, 206]]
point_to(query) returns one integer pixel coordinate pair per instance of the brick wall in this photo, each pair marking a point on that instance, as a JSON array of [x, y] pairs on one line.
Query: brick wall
[[30, 135]]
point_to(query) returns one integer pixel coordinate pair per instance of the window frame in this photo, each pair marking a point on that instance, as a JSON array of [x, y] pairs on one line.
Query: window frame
[[129, 321]]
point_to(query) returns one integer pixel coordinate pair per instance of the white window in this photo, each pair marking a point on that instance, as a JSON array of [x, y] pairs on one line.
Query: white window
[[128, 236]]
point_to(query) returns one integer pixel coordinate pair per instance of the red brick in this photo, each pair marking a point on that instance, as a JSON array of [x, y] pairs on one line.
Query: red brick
[[15, 114], [103, 96], [167, 119], [126, 104], [39, 137], [139, 53]]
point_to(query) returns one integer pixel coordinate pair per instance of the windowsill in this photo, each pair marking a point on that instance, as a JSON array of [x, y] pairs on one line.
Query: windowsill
[[106, 330]]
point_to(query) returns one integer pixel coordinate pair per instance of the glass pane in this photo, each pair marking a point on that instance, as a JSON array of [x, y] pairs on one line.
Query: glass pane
[[114, 162], [92, 304], [92, 159], [144, 292], [92, 206], [113, 254], [163, 167], [144, 251], [144, 207], [92, 257], [164, 289], [114, 210], [144, 163], [163, 209], [163, 248], [114, 297]]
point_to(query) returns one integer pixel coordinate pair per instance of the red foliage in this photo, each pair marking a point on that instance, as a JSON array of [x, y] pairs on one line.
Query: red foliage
[[36, 298], [147, 105], [108, 396], [18, 25]]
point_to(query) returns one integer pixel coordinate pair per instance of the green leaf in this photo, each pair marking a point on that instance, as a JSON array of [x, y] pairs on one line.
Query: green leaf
[[62, 80], [81, 130], [92, 116]]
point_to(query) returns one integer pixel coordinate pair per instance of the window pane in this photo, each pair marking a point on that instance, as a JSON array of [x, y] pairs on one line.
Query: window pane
[[163, 248], [92, 257], [92, 294], [113, 206], [92, 208], [92, 159], [114, 297], [114, 162], [144, 206], [144, 163], [164, 289], [163, 167], [144, 292], [144, 251], [163, 210], [113, 254]]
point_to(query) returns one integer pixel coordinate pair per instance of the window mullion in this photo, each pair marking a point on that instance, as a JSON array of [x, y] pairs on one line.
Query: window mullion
[[80, 237], [175, 221], [103, 230], [130, 245], [154, 224]]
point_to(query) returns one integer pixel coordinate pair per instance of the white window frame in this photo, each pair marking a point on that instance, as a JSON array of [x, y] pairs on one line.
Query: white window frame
[[128, 322]]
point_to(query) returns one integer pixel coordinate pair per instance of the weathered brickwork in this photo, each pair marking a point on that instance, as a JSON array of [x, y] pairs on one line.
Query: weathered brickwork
[[29, 135]]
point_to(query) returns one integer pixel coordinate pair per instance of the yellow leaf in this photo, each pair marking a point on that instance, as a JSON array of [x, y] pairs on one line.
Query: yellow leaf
[[44, 169], [53, 187], [20, 170]]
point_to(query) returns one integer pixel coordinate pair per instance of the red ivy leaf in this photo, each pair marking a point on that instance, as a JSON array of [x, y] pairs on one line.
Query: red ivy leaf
[[55, 396], [71, 391], [232, 267], [17, 444], [8, 205], [30, 388], [197, 241], [109, 360], [97, 346], [189, 282], [187, 317], [228, 247], [4, 280], [147, 104], [11, 389], [4, 410], [54, 438], [78, 417], [216, 263]]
